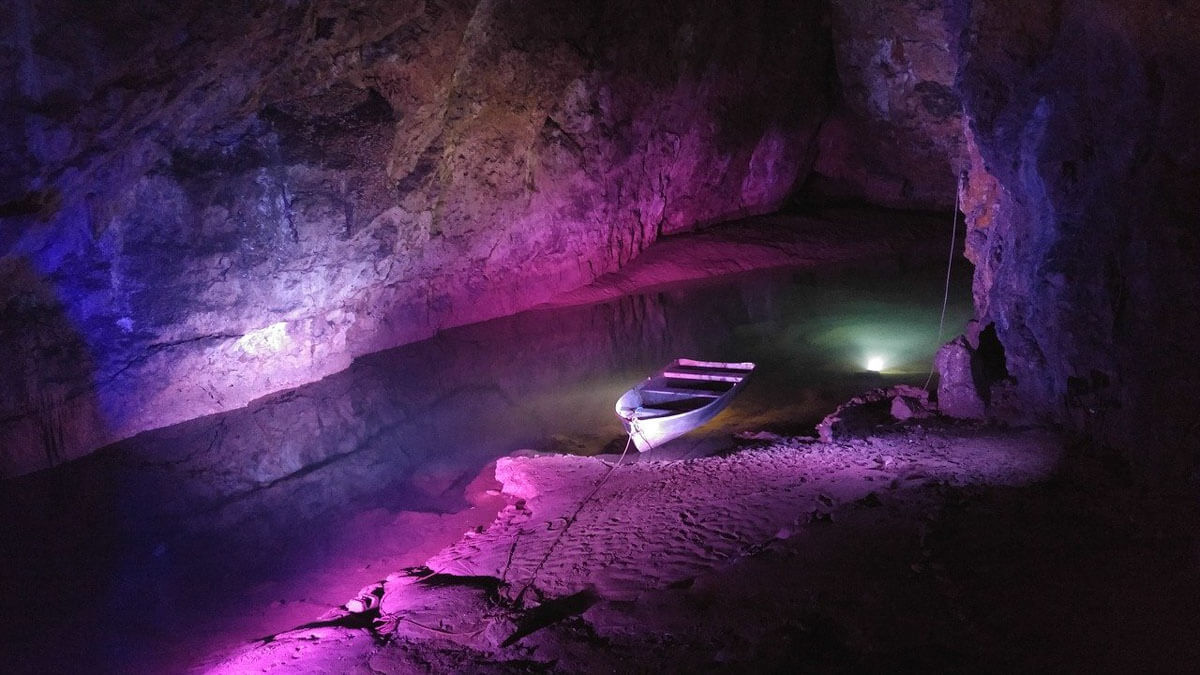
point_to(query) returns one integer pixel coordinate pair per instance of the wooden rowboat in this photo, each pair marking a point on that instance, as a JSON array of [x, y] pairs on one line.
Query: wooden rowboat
[[682, 396]]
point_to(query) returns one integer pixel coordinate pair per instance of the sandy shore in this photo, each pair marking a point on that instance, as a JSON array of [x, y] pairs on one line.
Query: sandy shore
[[767, 556], [923, 548]]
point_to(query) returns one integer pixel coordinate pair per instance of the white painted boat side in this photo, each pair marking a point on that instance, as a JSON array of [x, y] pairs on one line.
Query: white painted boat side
[[651, 427]]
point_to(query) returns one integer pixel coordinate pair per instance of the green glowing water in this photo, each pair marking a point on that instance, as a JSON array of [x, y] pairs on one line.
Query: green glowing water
[[818, 339]]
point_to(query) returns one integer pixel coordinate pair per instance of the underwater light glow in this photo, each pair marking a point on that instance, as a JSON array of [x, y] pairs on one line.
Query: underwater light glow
[[876, 363]]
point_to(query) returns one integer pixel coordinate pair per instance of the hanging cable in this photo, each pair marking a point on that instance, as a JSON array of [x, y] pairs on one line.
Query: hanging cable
[[949, 267]]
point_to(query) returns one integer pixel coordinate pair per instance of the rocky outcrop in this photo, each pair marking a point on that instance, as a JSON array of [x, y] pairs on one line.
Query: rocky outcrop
[[895, 135], [1082, 212], [203, 204], [200, 205], [958, 393], [872, 410]]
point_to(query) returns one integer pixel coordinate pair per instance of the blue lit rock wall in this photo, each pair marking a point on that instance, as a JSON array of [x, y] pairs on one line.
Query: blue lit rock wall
[[1084, 213], [205, 202]]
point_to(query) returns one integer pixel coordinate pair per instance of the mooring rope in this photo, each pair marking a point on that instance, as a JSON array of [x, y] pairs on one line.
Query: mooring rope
[[633, 428], [949, 267]]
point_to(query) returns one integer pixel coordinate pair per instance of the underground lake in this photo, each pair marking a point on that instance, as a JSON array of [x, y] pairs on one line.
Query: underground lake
[[314, 316], [239, 521]]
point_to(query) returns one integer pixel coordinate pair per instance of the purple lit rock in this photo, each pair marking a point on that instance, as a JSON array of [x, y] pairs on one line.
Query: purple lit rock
[[215, 204], [958, 395], [895, 137], [908, 406], [1083, 213]]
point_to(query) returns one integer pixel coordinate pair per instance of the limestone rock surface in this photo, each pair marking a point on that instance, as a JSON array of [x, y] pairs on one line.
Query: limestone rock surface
[[894, 136], [871, 410], [958, 394], [1083, 213], [204, 203]]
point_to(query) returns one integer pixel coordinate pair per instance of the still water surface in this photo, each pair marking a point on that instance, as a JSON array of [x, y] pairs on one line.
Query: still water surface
[[151, 537]]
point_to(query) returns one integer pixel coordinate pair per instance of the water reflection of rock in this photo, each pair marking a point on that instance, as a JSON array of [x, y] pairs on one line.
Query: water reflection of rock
[[441, 408], [400, 428], [174, 522]]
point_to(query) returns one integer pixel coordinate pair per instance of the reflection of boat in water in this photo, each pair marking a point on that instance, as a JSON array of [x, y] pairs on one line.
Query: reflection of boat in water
[[680, 397]]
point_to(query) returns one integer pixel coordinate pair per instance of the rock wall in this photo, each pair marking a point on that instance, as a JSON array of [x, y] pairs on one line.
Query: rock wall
[[205, 202], [201, 203], [1083, 212], [894, 137]]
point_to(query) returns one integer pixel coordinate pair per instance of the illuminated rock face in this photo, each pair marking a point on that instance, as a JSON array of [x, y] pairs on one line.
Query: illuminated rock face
[[895, 136], [201, 206], [1084, 215]]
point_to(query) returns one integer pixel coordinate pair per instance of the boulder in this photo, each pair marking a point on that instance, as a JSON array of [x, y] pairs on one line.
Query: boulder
[[894, 137], [958, 395], [905, 408]]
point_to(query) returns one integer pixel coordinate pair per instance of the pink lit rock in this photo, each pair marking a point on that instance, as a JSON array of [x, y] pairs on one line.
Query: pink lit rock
[[223, 204], [862, 414], [896, 137], [907, 407]]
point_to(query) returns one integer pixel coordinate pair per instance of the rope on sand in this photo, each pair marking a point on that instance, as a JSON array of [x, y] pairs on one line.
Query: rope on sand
[[633, 428]]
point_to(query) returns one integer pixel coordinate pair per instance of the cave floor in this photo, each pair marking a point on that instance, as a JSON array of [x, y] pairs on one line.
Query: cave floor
[[927, 546]]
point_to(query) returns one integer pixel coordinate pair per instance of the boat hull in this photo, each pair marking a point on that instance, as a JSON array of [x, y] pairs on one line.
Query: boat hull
[[682, 396]]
